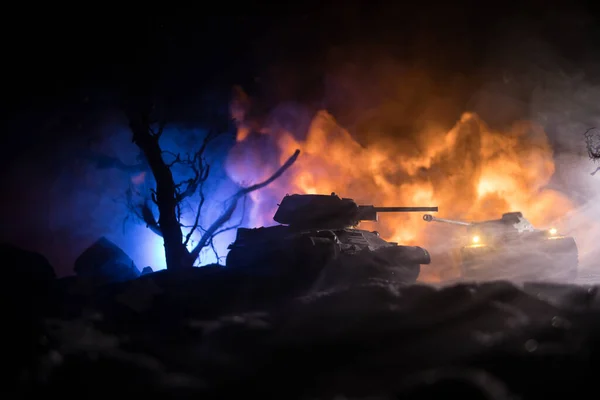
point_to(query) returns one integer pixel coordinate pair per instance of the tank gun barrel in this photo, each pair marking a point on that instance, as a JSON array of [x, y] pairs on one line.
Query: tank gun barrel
[[430, 218], [404, 209], [369, 213]]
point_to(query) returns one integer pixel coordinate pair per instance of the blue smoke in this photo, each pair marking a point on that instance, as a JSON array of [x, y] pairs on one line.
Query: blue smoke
[[65, 201], [145, 247]]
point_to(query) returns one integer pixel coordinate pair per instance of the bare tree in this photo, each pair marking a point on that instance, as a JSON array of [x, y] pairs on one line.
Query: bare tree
[[592, 142], [169, 196]]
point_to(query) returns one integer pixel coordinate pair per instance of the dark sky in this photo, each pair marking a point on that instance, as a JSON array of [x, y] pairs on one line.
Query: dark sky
[[65, 67], [55, 58]]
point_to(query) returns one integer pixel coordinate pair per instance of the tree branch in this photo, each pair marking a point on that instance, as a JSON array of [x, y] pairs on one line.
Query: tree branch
[[226, 216], [592, 141], [196, 218], [214, 249], [199, 166], [165, 195], [232, 227], [160, 129], [149, 218], [142, 212]]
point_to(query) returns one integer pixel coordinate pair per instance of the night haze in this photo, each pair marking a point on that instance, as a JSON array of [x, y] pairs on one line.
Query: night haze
[[505, 64], [324, 200]]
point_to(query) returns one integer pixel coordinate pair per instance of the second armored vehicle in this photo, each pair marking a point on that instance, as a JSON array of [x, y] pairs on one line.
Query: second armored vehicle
[[320, 230], [512, 248]]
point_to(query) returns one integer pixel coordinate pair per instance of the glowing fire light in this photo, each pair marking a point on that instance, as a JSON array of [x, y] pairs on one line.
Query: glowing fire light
[[475, 239], [471, 172]]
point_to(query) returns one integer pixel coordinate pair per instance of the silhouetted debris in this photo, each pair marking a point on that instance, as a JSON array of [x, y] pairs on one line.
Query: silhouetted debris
[[214, 332], [105, 262], [573, 297], [592, 141], [25, 267], [27, 281], [139, 295], [147, 270]]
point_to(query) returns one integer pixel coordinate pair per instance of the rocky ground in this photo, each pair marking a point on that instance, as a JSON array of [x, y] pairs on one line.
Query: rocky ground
[[210, 333]]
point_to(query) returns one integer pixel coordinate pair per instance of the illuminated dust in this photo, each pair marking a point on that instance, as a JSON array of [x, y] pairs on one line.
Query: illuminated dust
[[472, 172]]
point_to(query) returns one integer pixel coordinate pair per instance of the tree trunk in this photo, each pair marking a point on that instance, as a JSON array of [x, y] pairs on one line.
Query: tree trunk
[[176, 254]]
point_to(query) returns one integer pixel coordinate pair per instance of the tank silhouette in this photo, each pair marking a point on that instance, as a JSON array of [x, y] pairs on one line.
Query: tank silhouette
[[319, 230], [512, 248]]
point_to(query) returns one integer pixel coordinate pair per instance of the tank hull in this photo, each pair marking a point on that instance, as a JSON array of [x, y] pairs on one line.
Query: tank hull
[[352, 255], [548, 259]]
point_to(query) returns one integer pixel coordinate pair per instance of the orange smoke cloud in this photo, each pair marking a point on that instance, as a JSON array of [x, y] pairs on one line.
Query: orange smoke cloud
[[470, 171]]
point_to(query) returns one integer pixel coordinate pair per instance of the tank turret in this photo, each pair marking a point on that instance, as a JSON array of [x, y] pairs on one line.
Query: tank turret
[[330, 212]]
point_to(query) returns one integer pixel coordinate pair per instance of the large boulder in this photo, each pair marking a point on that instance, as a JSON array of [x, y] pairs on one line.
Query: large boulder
[[105, 262], [27, 282], [25, 270], [147, 270]]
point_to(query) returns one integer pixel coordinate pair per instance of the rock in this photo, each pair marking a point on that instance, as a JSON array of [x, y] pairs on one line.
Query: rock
[[139, 295], [27, 283], [28, 279], [147, 270], [566, 296], [106, 263], [24, 267], [214, 332]]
